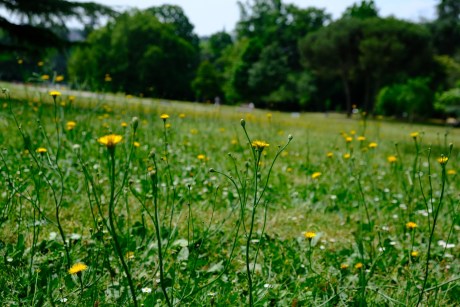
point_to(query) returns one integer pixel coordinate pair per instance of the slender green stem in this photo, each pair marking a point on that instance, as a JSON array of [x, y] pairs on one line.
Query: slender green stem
[[112, 225], [158, 235]]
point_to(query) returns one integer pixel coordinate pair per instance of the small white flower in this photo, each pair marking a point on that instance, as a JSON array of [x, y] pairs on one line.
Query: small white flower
[[381, 249], [267, 286], [63, 300], [146, 290], [52, 235], [444, 244]]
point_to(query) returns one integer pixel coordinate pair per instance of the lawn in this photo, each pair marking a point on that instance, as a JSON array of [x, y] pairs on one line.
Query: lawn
[[112, 200]]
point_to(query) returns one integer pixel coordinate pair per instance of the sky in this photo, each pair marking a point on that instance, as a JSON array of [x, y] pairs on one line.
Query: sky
[[211, 16]]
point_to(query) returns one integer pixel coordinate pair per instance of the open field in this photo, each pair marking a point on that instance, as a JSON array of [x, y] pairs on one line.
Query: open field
[[351, 212]]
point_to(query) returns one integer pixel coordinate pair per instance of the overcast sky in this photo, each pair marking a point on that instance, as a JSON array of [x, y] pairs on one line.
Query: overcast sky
[[210, 16]]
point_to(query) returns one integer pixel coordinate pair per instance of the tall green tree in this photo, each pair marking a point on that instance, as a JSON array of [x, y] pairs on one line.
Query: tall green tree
[[270, 60], [367, 54], [446, 27], [142, 56], [38, 24]]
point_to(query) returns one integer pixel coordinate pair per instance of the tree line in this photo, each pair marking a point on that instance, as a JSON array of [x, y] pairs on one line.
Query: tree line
[[279, 56]]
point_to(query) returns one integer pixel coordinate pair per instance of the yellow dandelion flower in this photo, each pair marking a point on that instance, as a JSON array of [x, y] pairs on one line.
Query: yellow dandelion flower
[[414, 135], [361, 138], [168, 125], [201, 157], [124, 124], [344, 266], [259, 145], [54, 94], [411, 225], [269, 116], [77, 268], [443, 160], [451, 172], [59, 78], [45, 77], [110, 140], [71, 98], [137, 144], [414, 254], [289, 169], [107, 78], [348, 139], [71, 125], [164, 116], [315, 175], [234, 141], [329, 154], [346, 156], [359, 265], [372, 145], [392, 159], [181, 115], [41, 150], [309, 235]]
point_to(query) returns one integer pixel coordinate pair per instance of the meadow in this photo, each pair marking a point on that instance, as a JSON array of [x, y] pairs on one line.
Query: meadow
[[112, 200]]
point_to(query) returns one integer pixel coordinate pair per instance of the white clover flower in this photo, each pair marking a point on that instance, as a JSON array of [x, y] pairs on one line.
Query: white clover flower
[[146, 290]]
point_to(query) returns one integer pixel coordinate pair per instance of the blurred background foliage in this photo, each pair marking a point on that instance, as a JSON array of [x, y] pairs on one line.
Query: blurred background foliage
[[279, 56]]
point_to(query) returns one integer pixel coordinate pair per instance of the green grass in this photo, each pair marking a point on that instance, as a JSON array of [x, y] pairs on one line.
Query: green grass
[[164, 193]]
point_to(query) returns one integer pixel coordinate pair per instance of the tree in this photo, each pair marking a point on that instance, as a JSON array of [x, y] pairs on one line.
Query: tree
[[334, 51], [446, 28], [175, 16], [367, 54], [366, 9], [141, 55], [207, 83], [42, 23], [270, 60]]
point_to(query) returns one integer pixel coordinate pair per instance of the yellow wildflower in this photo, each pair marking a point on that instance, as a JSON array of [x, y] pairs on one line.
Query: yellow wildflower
[[414, 135], [41, 150], [107, 78], [137, 144], [361, 138], [346, 156], [45, 77], [110, 140], [451, 172], [359, 265], [348, 139], [329, 154], [414, 254], [164, 116], [59, 78], [71, 125], [259, 145], [124, 124], [344, 266], [54, 94], [181, 115], [201, 157], [77, 268], [443, 160], [372, 145], [411, 225], [309, 235], [40, 64], [392, 159], [315, 175]]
